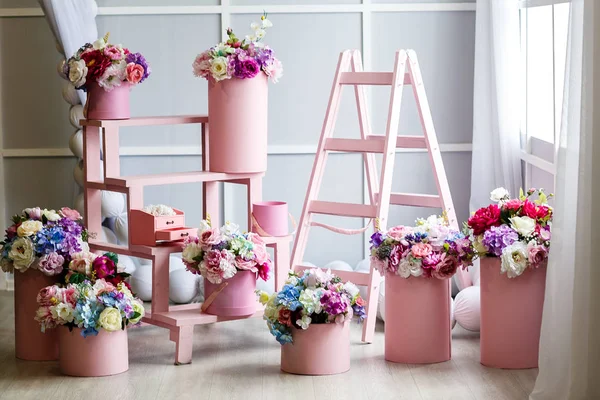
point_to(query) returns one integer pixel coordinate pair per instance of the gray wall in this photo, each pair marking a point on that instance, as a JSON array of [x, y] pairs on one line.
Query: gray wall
[[34, 115]]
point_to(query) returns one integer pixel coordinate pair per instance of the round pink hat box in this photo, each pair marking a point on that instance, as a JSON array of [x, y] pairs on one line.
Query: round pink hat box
[[322, 349], [270, 218], [237, 299], [101, 104], [101, 355]]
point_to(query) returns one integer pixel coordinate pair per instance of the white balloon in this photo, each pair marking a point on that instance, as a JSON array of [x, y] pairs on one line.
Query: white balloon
[[79, 204], [467, 308], [474, 271], [144, 261], [268, 286], [127, 264], [141, 282], [175, 263], [76, 143], [381, 305], [60, 68], [78, 173], [363, 266], [182, 286], [338, 265], [70, 95], [121, 227], [76, 115], [113, 204], [452, 319], [108, 236]]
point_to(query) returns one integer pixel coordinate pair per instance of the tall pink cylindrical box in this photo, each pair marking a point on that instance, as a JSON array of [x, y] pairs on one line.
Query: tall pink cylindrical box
[[101, 104], [30, 342], [101, 355], [237, 299], [271, 217], [511, 315], [417, 320], [322, 349], [237, 135]]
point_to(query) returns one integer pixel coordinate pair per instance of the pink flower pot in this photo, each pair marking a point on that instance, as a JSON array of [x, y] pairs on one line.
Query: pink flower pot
[[237, 115], [101, 104], [101, 355], [270, 218], [511, 315], [237, 299], [417, 320], [322, 349], [30, 342]]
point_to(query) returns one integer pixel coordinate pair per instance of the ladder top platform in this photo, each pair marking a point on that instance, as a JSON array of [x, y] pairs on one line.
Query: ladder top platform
[[146, 121]]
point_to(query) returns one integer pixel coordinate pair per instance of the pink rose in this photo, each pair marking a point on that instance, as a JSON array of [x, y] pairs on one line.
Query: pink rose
[[421, 250], [213, 258], [264, 270], [432, 260], [536, 253], [209, 238], [512, 205], [51, 264], [44, 297], [543, 232], [67, 295], [446, 268], [104, 286], [68, 213], [246, 265], [398, 232], [394, 260], [34, 213], [11, 232], [260, 253], [44, 316], [378, 264], [81, 262], [135, 73], [113, 53]]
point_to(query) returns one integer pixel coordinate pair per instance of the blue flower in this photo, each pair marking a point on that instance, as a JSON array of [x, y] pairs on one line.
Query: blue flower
[[281, 332], [376, 239], [288, 297], [89, 331], [359, 312], [49, 239]]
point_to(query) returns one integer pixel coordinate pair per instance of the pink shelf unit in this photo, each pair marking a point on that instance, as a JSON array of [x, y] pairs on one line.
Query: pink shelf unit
[[147, 229]]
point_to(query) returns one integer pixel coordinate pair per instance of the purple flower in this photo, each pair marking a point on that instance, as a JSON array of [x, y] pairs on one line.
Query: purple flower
[[51, 264], [139, 59], [376, 239], [499, 237], [264, 57], [247, 68], [332, 302], [432, 260]]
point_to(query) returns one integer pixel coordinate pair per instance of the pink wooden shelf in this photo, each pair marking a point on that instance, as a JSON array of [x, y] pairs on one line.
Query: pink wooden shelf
[[177, 177], [194, 317], [147, 121]]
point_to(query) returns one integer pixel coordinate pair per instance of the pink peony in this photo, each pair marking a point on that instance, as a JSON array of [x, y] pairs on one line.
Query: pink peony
[[260, 253], [264, 270], [73, 215], [512, 205], [201, 65], [209, 238], [246, 265], [81, 262], [103, 286], [432, 260], [446, 268], [484, 219], [135, 73], [104, 267], [45, 296], [213, 258], [67, 295], [44, 316], [398, 232], [394, 259], [113, 53], [421, 250], [51, 264], [536, 254]]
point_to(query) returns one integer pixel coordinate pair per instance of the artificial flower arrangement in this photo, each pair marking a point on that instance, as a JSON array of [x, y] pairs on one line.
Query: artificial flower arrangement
[[105, 64], [430, 249], [240, 59], [516, 230], [219, 253], [316, 297], [159, 210], [42, 239], [87, 266]]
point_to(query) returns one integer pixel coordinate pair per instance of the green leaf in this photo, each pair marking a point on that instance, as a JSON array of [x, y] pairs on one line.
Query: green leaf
[[124, 275], [77, 278], [112, 256], [135, 315], [44, 220]]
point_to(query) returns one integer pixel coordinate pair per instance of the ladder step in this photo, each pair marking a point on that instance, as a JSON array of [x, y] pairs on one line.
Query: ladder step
[[358, 278], [355, 145], [416, 200], [403, 142], [342, 209], [370, 78]]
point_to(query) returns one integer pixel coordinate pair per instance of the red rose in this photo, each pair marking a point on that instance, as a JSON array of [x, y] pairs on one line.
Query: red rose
[[115, 280], [96, 62], [484, 218], [285, 317], [104, 267]]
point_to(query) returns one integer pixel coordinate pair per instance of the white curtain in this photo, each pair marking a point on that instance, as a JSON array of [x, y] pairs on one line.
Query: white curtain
[[73, 23], [569, 345]]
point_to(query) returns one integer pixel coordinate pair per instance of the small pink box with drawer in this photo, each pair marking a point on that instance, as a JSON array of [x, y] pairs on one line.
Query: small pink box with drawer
[[147, 229]]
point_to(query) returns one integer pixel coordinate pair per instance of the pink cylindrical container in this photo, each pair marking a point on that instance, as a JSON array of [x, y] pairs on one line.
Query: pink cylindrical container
[[101, 104], [237, 299], [270, 218]]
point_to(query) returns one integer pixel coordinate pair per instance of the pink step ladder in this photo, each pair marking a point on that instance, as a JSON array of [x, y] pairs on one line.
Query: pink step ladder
[[350, 73]]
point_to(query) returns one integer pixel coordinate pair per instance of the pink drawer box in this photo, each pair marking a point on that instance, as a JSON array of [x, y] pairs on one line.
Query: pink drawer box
[[146, 229]]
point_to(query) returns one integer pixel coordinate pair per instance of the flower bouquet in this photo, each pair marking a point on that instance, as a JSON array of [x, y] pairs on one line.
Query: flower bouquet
[[106, 72], [230, 262], [99, 311], [512, 237], [237, 72], [38, 247], [309, 318], [411, 257], [87, 266]]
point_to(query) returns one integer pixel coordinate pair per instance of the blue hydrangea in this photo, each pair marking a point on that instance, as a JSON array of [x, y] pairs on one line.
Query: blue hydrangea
[[281, 333], [49, 239], [288, 297]]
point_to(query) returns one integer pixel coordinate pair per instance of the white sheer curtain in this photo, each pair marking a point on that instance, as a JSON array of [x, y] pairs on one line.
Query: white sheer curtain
[[569, 346]]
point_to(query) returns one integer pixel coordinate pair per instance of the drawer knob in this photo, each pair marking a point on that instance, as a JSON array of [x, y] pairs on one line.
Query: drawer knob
[[169, 223], [185, 234]]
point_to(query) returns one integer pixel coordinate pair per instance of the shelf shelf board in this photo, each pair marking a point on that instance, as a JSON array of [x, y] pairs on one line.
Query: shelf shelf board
[[194, 317], [177, 177], [147, 121]]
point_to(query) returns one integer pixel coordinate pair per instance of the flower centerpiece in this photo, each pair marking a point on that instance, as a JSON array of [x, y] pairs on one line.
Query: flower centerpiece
[[310, 318], [229, 261], [87, 266], [237, 71], [159, 210], [518, 231], [106, 72]]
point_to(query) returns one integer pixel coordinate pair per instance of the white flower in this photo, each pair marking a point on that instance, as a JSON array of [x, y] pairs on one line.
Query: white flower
[[317, 276], [499, 195], [29, 227], [260, 33], [351, 289], [99, 44], [250, 38], [22, 254], [62, 312], [77, 72], [204, 226], [254, 26], [160, 210], [113, 76], [218, 68], [228, 268], [524, 226], [110, 319], [230, 229], [222, 48], [191, 251], [311, 301], [266, 23], [138, 307], [409, 267], [514, 259], [51, 215], [304, 322]]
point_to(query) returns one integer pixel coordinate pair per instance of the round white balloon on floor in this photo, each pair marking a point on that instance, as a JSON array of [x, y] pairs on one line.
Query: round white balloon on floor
[[452, 319], [76, 115], [121, 227], [141, 282], [113, 204], [363, 266], [381, 304], [76, 143], [467, 308], [175, 263], [127, 264], [109, 236], [338, 265], [69, 93], [183, 286]]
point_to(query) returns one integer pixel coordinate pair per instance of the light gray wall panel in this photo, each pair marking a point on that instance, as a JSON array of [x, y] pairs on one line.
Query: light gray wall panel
[[137, 3], [422, 1], [444, 43], [18, 3], [34, 114], [170, 43], [291, 2]]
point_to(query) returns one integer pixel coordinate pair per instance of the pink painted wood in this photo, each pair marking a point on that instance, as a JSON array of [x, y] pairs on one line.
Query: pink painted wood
[[147, 121]]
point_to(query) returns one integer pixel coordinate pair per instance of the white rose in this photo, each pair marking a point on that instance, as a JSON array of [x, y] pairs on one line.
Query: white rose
[[99, 44], [500, 194], [228, 268], [51, 215], [29, 227], [415, 268], [62, 313], [218, 68], [77, 72], [404, 268], [524, 226], [110, 319], [191, 251], [351, 289], [22, 254], [514, 259], [138, 307], [113, 76], [204, 226]]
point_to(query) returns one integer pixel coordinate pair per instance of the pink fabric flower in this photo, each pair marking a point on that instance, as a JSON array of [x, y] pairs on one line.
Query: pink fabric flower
[[51, 264], [44, 316], [113, 53], [135, 73], [536, 254], [246, 265], [213, 258], [446, 268], [44, 297], [67, 295], [398, 232], [512, 205], [421, 250], [432, 260], [103, 267], [81, 262], [264, 270], [260, 253], [201, 65], [73, 215], [11, 232], [378, 264], [34, 213], [209, 238], [394, 260]]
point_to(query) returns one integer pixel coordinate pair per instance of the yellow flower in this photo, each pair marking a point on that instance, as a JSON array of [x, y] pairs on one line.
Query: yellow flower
[[29, 228], [110, 319], [263, 297], [138, 307]]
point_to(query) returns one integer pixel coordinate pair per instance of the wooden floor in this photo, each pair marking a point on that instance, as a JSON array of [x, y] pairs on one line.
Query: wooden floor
[[240, 360]]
